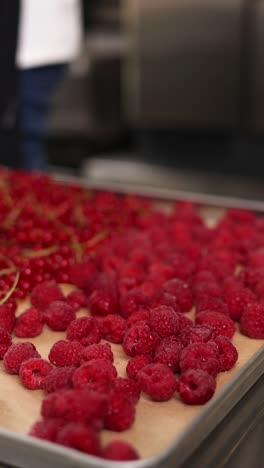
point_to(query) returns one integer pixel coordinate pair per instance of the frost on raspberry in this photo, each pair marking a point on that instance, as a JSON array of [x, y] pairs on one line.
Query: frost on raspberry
[[18, 353], [66, 353], [44, 294], [120, 450], [5, 341], [228, 354], [7, 317], [80, 437], [120, 412], [85, 330], [47, 429], [137, 363], [97, 351], [29, 323], [33, 372], [221, 324], [168, 352], [97, 374], [203, 356], [157, 381], [59, 378], [252, 321], [140, 339], [112, 328], [129, 387], [196, 386], [164, 321], [59, 315]]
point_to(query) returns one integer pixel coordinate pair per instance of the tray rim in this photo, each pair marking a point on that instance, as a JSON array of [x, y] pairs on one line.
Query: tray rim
[[214, 411]]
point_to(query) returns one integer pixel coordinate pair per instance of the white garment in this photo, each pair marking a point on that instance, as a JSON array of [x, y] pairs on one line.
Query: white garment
[[49, 32]]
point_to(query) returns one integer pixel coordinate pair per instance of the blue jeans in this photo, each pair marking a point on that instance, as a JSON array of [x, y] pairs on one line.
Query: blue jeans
[[36, 88]]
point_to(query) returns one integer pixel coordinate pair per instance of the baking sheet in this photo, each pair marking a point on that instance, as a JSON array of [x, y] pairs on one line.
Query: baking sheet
[[160, 430]]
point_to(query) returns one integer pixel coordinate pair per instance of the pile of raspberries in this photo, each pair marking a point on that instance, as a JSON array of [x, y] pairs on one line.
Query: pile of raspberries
[[136, 289]]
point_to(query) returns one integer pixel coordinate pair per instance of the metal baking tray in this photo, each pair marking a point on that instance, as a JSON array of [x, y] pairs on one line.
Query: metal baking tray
[[23, 451]]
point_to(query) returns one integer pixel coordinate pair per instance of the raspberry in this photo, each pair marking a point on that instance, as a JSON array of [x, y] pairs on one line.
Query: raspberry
[[161, 269], [18, 353], [132, 301], [184, 321], [97, 351], [66, 353], [80, 437], [232, 284], [97, 374], [129, 387], [76, 405], [112, 328], [203, 356], [140, 339], [252, 321], [168, 352], [196, 334], [204, 276], [259, 288], [251, 276], [33, 371], [59, 378], [47, 429], [5, 342], [11, 304], [7, 317], [102, 302], [211, 289], [164, 321], [137, 363], [120, 450], [196, 387], [77, 300], [221, 324], [141, 315], [256, 258], [82, 275], [240, 215], [183, 266], [237, 301], [157, 381], [85, 330], [182, 293], [59, 315], [29, 324], [212, 303], [228, 354], [120, 412], [44, 294], [166, 299]]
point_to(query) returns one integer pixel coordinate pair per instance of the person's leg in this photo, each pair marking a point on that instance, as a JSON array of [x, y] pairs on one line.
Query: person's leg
[[36, 88]]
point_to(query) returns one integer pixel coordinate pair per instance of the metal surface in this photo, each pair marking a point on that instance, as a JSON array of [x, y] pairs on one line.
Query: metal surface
[[30, 452], [184, 65]]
